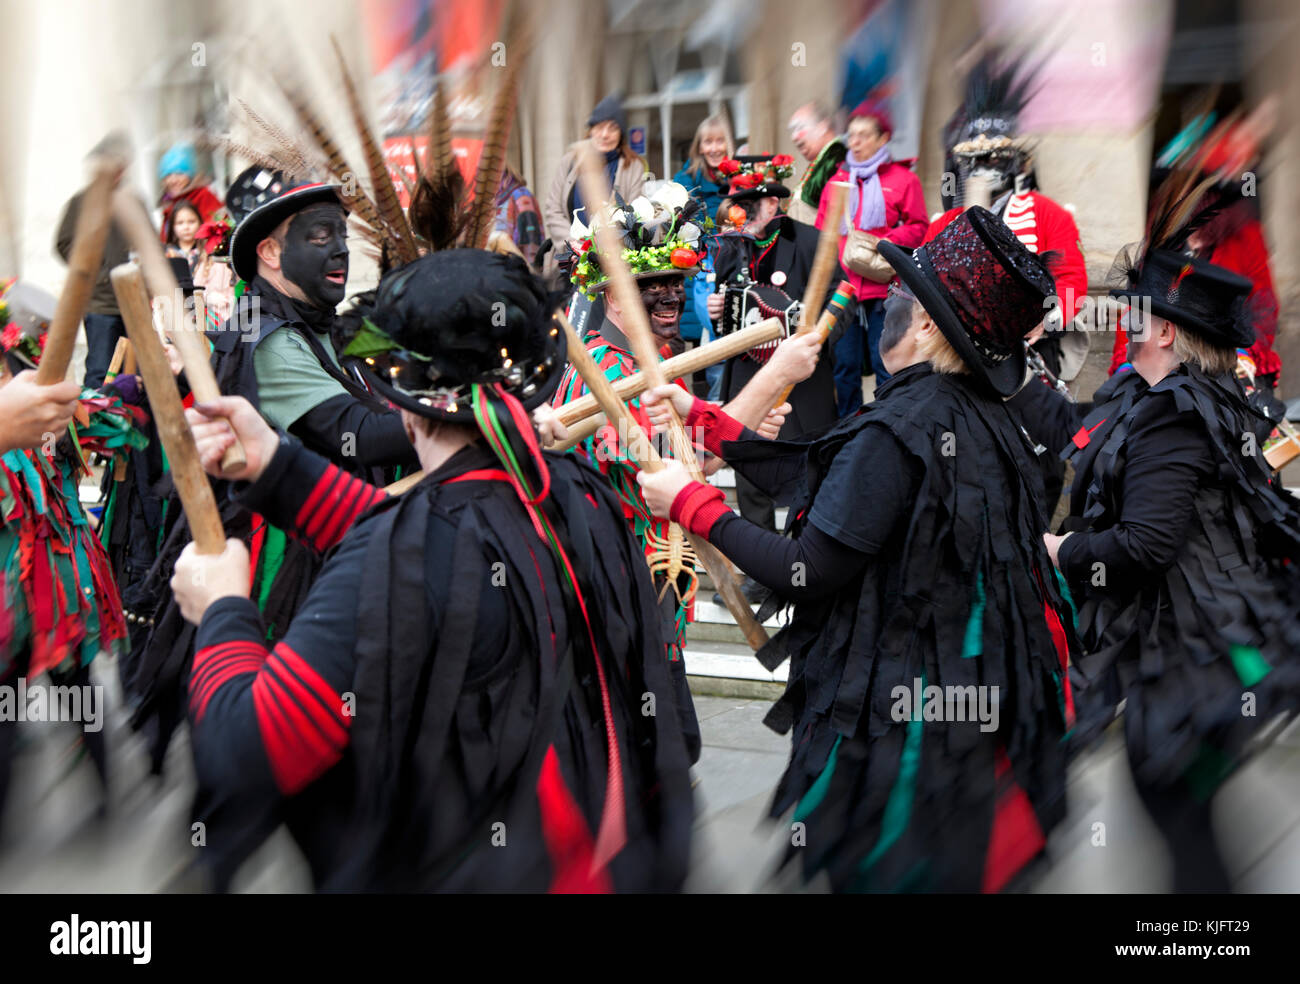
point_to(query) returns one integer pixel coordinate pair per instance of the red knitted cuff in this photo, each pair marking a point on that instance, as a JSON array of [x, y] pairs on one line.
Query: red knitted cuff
[[698, 506], [708, 420]]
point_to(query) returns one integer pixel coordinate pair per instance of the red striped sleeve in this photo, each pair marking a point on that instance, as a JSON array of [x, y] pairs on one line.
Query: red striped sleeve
[[301, 718], [215, 666], [710, 422], [333, 506]]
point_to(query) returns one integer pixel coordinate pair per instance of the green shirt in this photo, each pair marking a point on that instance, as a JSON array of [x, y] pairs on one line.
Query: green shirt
[[290, 381]]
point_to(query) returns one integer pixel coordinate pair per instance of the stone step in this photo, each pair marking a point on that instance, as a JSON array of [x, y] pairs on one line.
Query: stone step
[[733, 662], [707, 612]]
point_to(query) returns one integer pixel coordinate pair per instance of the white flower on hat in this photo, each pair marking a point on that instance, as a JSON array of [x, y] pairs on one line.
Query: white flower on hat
[[671, 196], [577, 230], [643, 207], [690, 233]]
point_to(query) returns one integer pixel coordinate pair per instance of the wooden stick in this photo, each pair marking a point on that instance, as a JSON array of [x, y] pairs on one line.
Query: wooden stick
[[825, 262], [128, 363], [636, 326], [642, 451], [825, 325], [189, 340], [582, 430], [700, 357], [115, 363], [404, 483], [168, 414], [630, 434], [83, 270]]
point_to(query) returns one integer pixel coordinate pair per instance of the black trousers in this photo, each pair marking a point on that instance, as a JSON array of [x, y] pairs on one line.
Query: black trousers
[[1188, 831]]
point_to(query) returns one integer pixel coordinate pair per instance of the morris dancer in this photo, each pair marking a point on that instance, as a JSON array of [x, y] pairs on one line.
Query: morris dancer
[[772, 254], [469, 673], [61, 606], [983, 142], [1183, 555], [664, 253], [918, 564]]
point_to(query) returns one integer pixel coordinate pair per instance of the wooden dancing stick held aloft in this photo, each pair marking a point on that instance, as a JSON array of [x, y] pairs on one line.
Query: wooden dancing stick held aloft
[[165, 403], [700, 357], [636, 326], [83, 270], [825, 261], [188, 338]]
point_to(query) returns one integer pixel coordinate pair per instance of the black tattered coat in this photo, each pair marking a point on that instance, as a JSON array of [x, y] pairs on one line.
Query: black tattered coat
[[961, 595], [1187, 569]]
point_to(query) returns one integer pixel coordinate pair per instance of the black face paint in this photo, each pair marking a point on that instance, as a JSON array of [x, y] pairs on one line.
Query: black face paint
[[664, 299], [315, 254]]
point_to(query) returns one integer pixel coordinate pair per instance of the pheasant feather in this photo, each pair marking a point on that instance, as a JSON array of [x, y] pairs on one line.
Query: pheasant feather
[[385, 194], [492, 160], [357, 199]]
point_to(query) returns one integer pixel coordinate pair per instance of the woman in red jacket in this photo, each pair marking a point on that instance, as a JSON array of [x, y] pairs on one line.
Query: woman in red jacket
[[884, 199]]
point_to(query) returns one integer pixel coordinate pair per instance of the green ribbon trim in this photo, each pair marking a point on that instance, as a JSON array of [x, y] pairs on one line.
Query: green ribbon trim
[[817, 791], [973, 644], [898, 809], [1208, 771], [1250, 664]]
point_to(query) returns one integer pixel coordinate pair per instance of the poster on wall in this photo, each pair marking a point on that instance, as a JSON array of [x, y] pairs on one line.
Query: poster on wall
[[415, 44]]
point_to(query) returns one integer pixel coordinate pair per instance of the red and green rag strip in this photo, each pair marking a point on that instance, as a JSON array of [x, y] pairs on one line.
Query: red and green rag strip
[[60, 595]]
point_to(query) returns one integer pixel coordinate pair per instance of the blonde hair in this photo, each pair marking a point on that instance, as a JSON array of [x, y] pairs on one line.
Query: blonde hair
[[695, 163], [935, 349], [1213, 360]]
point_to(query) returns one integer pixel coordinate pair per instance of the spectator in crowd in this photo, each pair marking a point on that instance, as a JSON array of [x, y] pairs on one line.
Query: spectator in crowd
[[178, 174], [182, 232], [700, 176], [814, 134], [103, 321], [626, 172], [884, 199]]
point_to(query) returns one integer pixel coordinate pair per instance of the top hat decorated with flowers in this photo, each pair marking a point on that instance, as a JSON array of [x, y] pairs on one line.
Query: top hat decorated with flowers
[[659, 232], [757, 176], [984, 290]]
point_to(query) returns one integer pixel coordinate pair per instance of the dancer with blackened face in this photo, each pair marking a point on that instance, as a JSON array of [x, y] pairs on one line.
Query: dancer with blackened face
[[276, 351], [293, 251], [664, 299], [664, 246]]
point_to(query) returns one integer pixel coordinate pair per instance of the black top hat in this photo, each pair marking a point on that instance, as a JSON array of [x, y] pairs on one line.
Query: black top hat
[[983, 289], [262, 221], [768, 189], [454, 318], [1192, 293]]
